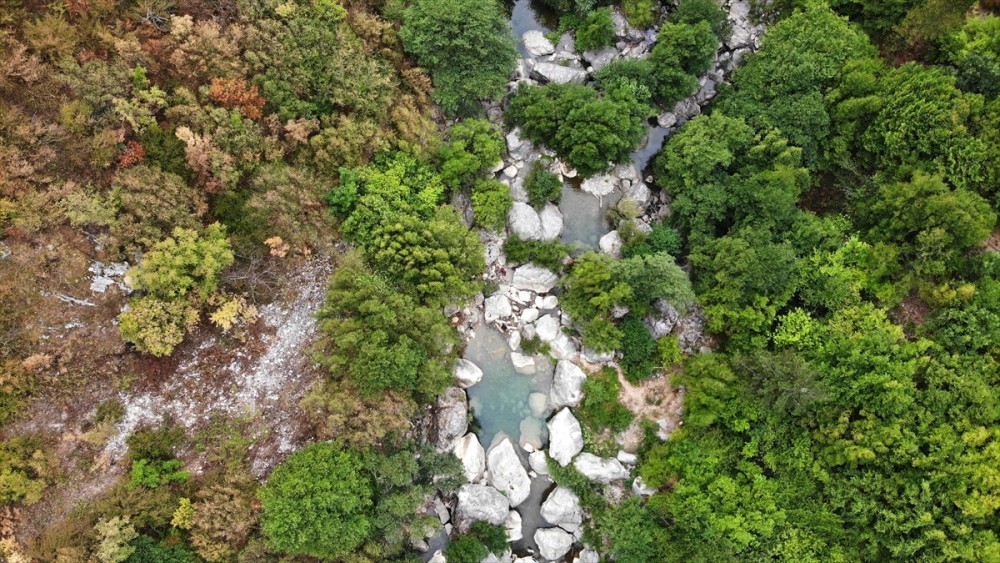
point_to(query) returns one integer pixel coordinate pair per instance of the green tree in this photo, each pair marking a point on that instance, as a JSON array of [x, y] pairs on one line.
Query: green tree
[[491, 201], [595, 31], [640, 353], [187, 262], [475, 146], [542, 186], [587, 129], [694, 11], [381, 338], [317, 503], [682, 54], [466, 46]]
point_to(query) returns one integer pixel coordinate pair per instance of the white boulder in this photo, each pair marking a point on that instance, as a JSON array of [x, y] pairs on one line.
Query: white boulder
[[558, 74], [600, 185], [472, 455], [600, 470], [513, 525], [534, 278], [524, 221], [565, 437], [451, 421], [537, 44], [538, 462], [553, 543], [611, 243], [567, 385], [552, 222], [562, 508], [523, 364], [467, 373], [547, 328], [479, 502], [506, 472]]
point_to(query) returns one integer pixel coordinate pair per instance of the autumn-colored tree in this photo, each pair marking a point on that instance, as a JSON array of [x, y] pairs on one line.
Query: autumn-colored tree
[[235, 93]]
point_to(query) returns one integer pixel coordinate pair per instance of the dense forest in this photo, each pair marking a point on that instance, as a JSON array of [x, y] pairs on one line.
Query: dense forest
[[252, 254]]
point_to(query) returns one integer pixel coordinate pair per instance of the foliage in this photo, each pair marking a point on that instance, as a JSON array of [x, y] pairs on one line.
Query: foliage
[[585, 128], [116, 536], [548, 253], [187, 262], [152, 474], [640, 13], [662, 238], [542, 186], [600, 407], [475, 145], [595, 31], [693, 11], [382, 339], [156, 326], [482, 539], [640, 354], [491, 201], [317, 503], [24, 470], [466, 47], [151, 203], [975, 51], [148, 550], [682, 54], [224, 516]]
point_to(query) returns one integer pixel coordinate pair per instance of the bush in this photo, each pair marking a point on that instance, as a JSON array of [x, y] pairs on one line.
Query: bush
[[601, 408], [542, 186], [152, 474], [693, 11], [482, 539], [663, 238], [317, 503], [595, 31], [155, 326], [585, 128], [475, 146], [466, 46], [491, 202], [639, 351], [155, 444], [548, 253], [640, 71], [188, 261], [23, 470], [682, 53], [640, 13]]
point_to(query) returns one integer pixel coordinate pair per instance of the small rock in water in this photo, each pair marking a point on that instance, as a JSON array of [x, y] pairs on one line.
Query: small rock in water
[[611, 243], [538, 402], [531, 433], [553, 543], [537, 44], [467, 373], [513, 525], [524, 365]]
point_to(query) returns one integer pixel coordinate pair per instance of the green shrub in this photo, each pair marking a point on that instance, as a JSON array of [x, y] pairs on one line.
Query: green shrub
[[491, 202], [149, 550], [482, 539], [694, 11], [640, 13], [156, 444], [669, 349], [547, 253], [475, 146], [641, 71], [466, 46], [663, 238], [152, 474], [318, 503], [24, 469], [542, 186], [589, 130], [640, 354], [601, 408], [595, 31]]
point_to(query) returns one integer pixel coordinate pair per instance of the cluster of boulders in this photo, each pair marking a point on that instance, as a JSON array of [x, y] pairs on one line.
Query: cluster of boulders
[[500, 475]]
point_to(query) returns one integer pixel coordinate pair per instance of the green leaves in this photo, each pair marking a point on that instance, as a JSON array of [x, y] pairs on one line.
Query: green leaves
[[466, 46], [588, 130], [317, 503]]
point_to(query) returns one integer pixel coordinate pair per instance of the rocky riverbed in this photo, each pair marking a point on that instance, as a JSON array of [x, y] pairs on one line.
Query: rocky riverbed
[[506, 461]]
